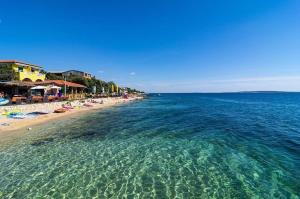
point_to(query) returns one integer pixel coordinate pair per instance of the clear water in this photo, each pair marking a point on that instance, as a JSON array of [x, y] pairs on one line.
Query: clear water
[[169, 146]]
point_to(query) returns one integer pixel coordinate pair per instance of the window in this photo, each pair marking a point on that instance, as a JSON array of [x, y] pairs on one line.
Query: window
[[32, 70], [20, 69]]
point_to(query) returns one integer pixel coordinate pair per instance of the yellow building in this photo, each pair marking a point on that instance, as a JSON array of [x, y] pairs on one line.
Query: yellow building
[[11, 70]]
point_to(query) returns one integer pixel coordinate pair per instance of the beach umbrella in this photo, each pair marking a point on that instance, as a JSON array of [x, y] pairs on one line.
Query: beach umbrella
[[112, 88], [38, 88], [55, 87]]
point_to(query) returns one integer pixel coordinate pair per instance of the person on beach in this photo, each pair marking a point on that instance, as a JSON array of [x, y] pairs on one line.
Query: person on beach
[[2, 95]]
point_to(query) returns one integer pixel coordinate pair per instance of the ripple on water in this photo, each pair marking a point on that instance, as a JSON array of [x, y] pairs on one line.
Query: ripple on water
[[142, 156]]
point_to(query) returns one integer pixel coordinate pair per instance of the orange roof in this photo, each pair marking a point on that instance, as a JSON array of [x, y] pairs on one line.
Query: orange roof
[[61, 83], [20, 62]]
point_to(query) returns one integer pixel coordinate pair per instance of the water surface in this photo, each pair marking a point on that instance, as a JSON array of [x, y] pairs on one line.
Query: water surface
[[169, 146]]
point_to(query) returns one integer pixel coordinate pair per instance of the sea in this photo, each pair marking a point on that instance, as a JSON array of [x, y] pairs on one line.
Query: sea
[[225, 145]]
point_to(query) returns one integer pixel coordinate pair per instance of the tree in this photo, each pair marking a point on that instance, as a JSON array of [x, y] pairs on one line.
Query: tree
[[90, 83], [52, 76]]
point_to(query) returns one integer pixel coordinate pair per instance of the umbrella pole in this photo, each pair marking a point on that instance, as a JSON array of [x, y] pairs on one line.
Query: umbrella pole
[[65, 86]]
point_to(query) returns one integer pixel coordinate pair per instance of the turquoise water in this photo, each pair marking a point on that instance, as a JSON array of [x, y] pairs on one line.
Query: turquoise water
[[168, 146]]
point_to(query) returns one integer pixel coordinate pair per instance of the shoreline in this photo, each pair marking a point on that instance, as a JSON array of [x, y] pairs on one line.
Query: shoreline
[[24, 124]]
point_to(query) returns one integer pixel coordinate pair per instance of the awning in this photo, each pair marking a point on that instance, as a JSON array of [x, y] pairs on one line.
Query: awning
[[60, 83], [17, 83]]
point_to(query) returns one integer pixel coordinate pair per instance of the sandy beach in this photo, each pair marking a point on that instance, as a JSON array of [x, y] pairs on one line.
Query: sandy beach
[[7, 125]]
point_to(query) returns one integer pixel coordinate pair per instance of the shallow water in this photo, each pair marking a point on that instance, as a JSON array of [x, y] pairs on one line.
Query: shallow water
[[169, 146]]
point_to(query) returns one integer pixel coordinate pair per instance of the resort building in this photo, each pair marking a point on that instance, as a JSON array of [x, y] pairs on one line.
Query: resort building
[[11, 70], [56, 73], [78, 73], [22, 82], [72, 72]]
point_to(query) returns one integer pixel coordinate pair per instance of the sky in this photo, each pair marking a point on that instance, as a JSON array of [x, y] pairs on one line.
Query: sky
[[160, 45]]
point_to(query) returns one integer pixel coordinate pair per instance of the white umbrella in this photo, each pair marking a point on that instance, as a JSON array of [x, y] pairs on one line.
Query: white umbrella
[[38, 88], [55, 87]]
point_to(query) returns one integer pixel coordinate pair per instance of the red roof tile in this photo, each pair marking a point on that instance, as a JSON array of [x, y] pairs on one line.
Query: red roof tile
[[61, 83]]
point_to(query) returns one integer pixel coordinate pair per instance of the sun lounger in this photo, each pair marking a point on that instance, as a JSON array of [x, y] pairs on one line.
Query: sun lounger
[[68, 107], [87, 105], [60, 110]]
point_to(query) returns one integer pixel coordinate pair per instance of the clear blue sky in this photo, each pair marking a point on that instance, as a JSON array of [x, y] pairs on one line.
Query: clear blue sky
[[161, 45]]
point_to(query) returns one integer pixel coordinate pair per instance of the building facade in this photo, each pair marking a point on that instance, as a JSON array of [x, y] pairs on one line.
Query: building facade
[[77, 73], [71, 73], [11, 70]]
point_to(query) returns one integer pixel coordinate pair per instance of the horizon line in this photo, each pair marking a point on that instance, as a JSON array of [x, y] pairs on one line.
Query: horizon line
[[223, 92]]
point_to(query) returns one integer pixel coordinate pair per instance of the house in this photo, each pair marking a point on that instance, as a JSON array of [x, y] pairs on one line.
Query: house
[[56, 73], [12, 70], [69, 73], [78, 73]]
